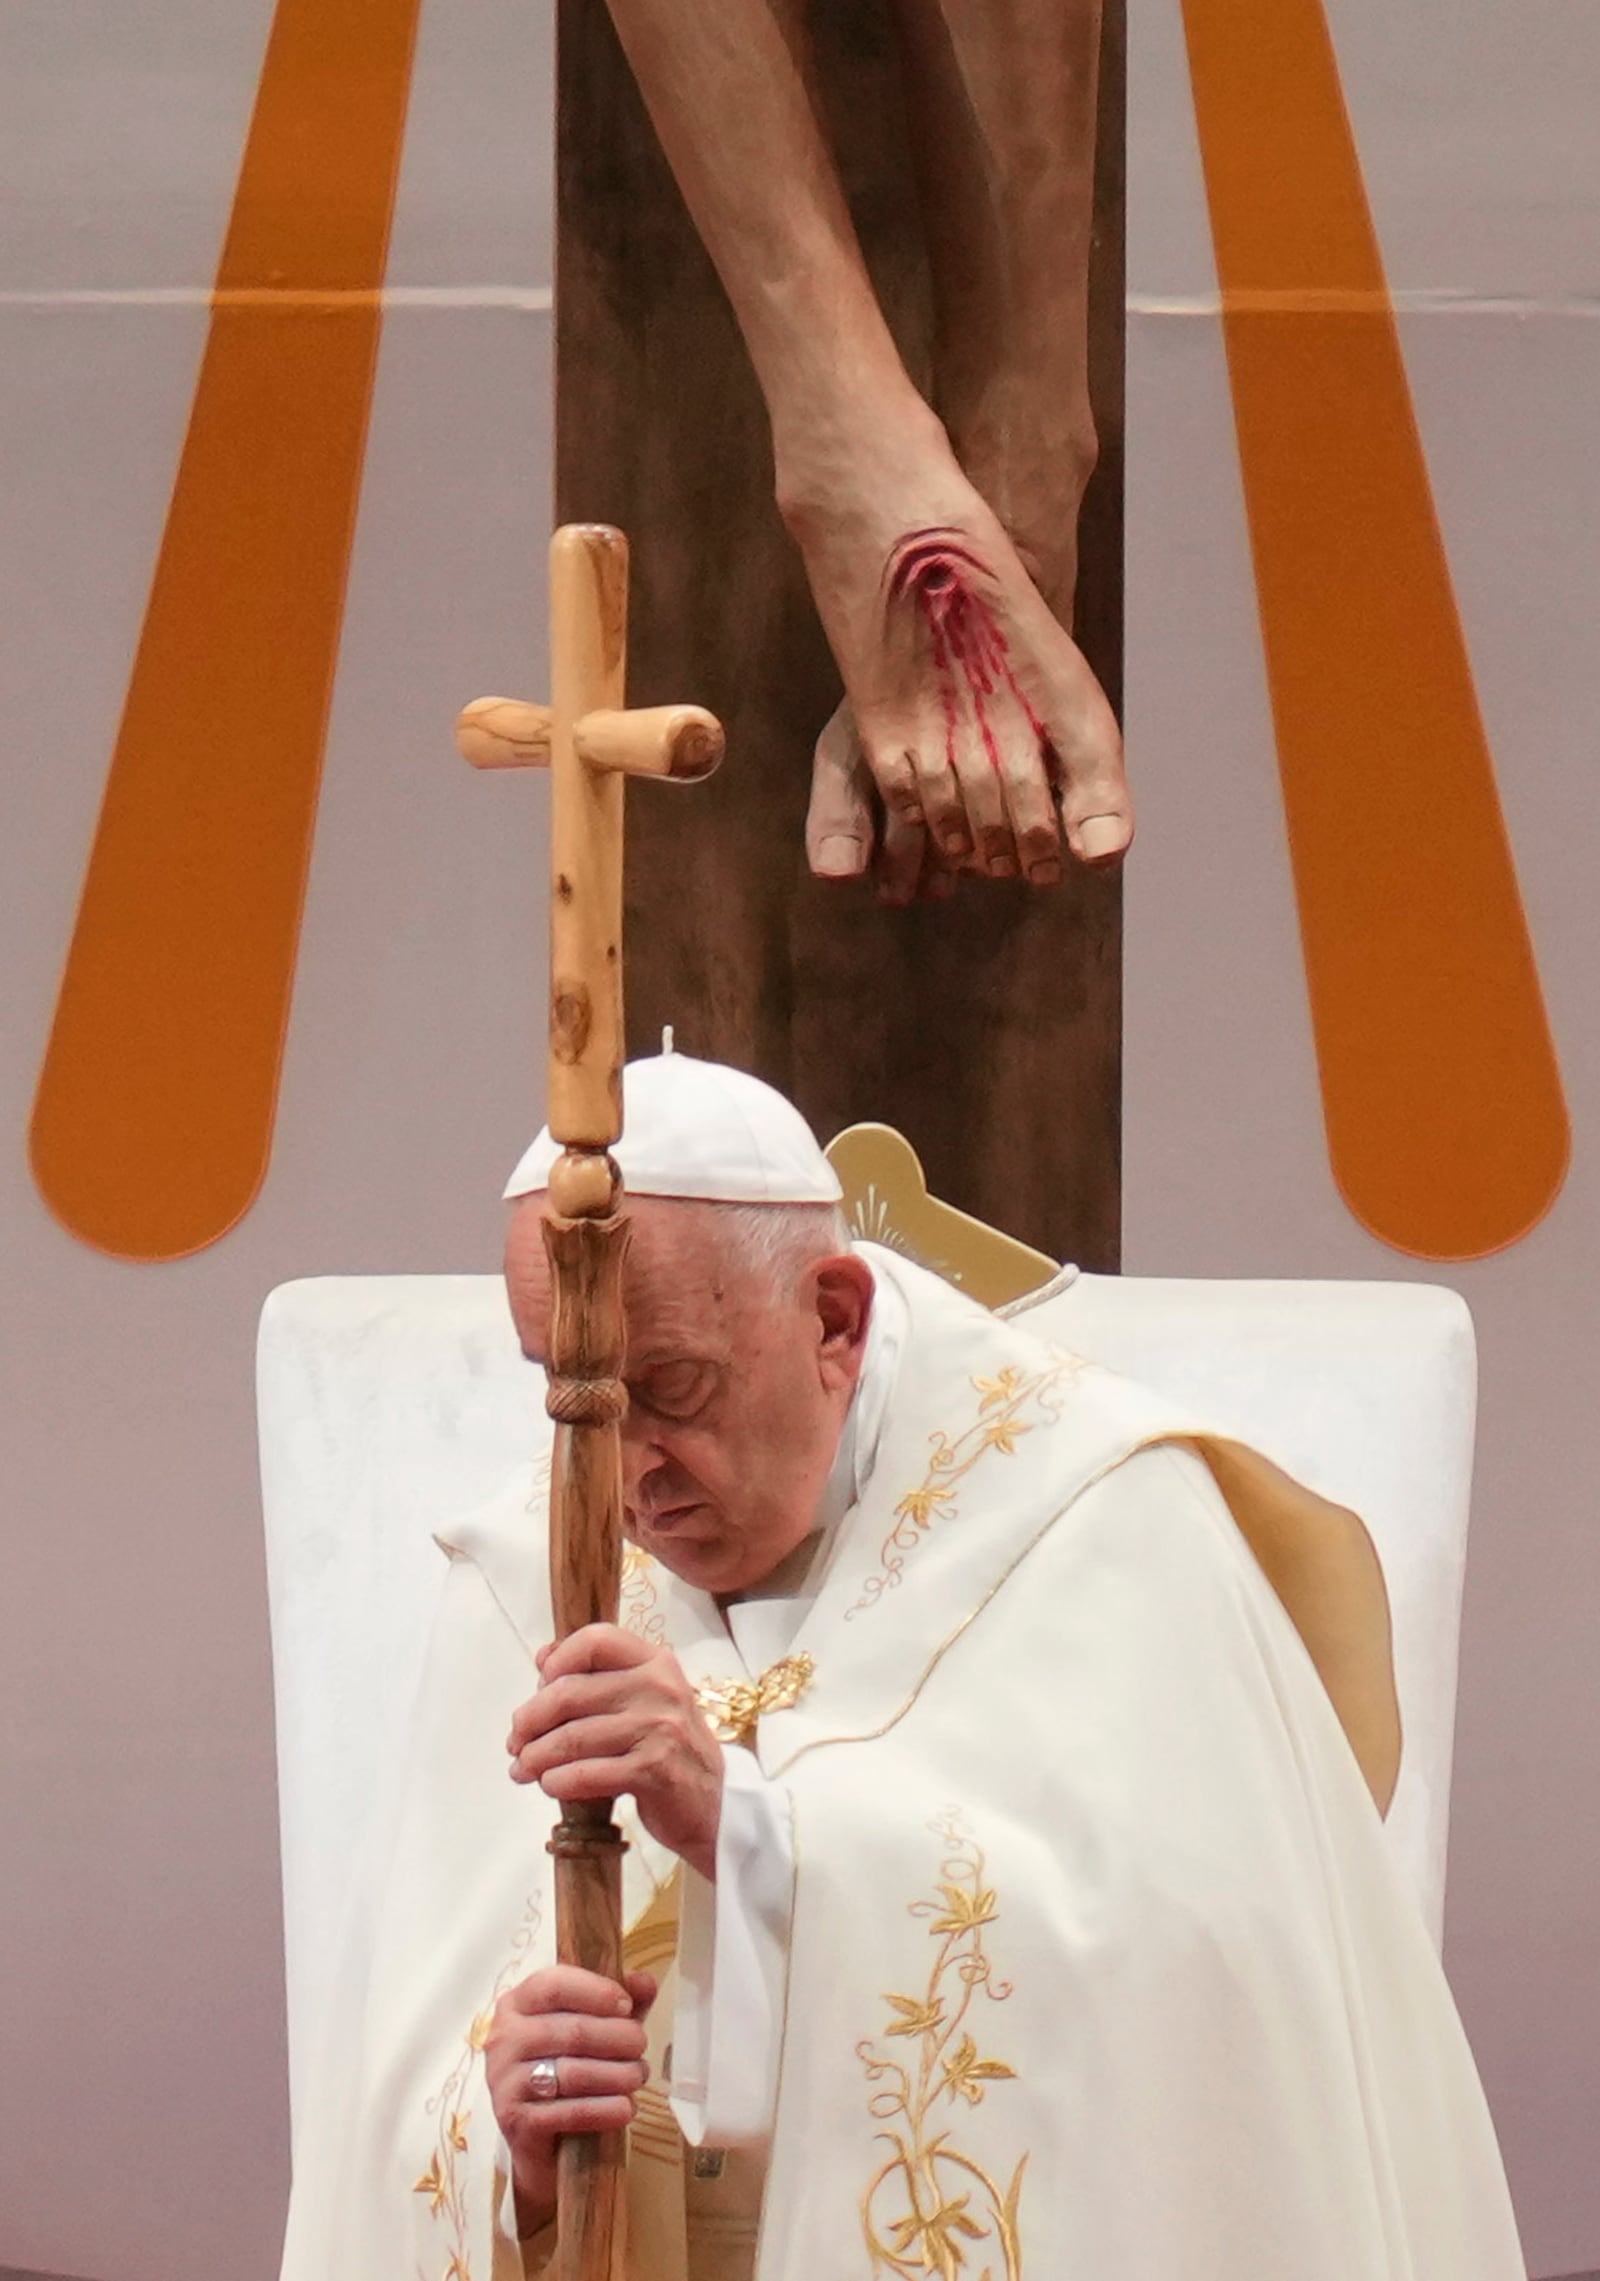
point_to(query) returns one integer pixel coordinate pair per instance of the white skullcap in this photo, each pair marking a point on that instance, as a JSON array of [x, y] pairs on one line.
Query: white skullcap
[[697, 1129]]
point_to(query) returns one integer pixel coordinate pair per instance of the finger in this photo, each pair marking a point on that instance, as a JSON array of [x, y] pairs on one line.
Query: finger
[[589, 2079], [839, 830], [1030, 803], [598, 1647], [613, 1737], [568, 1988], [596, 2079], [586, 1695], [900, 859], [563, 2118], [574, 2035], [594, 1778], [643, 1987]]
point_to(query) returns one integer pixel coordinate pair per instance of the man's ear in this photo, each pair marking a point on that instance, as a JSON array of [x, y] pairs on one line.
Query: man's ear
[[843, 1293]]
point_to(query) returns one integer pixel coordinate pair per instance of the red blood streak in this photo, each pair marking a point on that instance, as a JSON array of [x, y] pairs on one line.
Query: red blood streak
[[934, 573]]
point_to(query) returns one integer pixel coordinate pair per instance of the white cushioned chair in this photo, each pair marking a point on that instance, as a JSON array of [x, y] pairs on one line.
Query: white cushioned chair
[[388, 1404]]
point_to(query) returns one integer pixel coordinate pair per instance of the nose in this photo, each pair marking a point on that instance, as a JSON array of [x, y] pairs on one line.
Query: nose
[[642, 1455]]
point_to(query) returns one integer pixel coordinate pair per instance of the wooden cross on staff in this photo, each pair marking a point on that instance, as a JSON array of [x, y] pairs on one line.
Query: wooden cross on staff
[[589, 743]]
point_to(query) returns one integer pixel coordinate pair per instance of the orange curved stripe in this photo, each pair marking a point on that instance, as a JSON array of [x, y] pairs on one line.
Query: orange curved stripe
[[1446, 1125], [153, 1122]]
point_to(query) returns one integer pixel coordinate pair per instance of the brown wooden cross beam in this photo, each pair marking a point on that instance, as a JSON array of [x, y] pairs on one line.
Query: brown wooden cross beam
[[590, 744]]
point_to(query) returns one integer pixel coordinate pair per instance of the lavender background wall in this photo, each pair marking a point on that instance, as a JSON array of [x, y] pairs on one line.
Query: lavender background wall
[[1475, 131], [142, 2133]]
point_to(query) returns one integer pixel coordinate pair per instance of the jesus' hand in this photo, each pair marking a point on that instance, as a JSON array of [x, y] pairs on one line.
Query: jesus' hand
[[615, 1717]]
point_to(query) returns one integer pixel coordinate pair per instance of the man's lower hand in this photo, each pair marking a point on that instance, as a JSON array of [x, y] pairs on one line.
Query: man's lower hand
[[565, 2053], [615, 1717]]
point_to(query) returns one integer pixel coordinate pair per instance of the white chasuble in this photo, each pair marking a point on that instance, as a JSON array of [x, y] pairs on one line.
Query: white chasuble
[[1096, 1961]]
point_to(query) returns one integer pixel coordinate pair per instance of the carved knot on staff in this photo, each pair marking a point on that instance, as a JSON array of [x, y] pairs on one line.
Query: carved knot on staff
[[586, 1401]]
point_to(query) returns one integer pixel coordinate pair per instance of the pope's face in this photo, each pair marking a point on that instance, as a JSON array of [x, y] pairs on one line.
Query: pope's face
[[739, 1377]]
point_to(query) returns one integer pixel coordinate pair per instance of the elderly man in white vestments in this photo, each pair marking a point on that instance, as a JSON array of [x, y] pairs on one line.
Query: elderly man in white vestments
[[1007, 1888]]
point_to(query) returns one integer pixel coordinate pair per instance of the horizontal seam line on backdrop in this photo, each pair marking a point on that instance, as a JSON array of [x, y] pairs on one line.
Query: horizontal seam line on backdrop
[[536, 298], [540, 299], [1404, 301]]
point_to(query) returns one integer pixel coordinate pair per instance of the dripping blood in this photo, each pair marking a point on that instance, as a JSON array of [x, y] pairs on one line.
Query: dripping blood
[[970, 651]]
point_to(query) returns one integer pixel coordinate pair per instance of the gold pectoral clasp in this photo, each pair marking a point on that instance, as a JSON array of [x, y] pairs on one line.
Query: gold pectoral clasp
[[733, 1707]]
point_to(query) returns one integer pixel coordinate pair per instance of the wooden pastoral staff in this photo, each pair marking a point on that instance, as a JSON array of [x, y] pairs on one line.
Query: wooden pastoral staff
[[589, 744]]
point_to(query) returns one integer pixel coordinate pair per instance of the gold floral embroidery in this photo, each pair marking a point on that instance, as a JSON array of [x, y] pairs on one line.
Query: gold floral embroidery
[[444, 2181], [641, 1597], [1004, 1404], [929, 2201], [734, 1706]]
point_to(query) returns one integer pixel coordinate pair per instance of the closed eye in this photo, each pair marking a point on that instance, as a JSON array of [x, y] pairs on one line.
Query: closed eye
[[675, 1390]]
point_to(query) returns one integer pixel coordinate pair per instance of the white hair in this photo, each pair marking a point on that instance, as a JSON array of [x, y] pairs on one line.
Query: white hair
[[781, 1240]]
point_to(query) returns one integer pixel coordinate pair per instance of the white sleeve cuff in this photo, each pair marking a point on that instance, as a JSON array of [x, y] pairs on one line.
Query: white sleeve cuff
[[733, 1963]]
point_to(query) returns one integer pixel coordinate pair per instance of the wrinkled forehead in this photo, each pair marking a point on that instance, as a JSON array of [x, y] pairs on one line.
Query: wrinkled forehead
[[684, 1291]]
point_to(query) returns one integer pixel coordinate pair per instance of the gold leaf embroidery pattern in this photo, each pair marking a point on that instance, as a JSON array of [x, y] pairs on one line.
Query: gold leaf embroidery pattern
[[444, 2180], [640, 1610], [1010, 1405], [929, 2202]]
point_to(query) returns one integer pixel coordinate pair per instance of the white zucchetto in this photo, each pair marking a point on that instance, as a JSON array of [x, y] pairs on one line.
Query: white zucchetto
[[697, 1129]]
